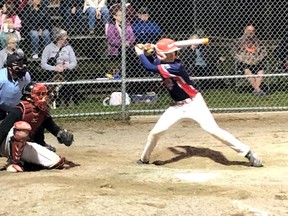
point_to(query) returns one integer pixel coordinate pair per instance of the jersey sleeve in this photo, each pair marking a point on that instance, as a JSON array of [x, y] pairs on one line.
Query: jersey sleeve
[[169, 70]]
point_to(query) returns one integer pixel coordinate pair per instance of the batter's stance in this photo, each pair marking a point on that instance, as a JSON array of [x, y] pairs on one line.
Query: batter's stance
[[189, 103]]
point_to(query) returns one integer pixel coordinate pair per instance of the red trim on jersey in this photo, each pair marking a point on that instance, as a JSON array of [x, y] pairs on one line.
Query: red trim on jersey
[[189, 89]]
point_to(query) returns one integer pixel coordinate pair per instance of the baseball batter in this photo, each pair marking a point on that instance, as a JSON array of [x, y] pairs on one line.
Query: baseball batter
[[189, 103]]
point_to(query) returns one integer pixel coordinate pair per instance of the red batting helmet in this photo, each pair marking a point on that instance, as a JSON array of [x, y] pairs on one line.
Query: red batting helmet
[[166, 45]]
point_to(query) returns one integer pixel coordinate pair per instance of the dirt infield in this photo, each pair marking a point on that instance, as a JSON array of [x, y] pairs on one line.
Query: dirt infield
[[200, 175]]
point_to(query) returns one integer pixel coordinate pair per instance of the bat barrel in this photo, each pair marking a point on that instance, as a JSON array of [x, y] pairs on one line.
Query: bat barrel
[[192, 42]]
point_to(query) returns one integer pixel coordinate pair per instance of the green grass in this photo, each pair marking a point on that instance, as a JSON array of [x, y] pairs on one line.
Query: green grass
[[215, 99]]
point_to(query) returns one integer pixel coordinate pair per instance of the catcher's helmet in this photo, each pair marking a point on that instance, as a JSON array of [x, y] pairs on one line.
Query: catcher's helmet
[[38, 93], [166, 45]]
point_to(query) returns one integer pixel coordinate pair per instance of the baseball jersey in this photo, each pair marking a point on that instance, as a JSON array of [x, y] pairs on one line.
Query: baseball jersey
[[175, 77]]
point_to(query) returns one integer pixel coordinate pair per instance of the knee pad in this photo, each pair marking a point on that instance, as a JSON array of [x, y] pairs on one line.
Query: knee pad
[[22, 130], [18, 141]]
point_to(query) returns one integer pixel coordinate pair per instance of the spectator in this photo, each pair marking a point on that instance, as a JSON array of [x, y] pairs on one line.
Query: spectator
[[13, 77], [37, 23], [130, 12], [10, 47], [96, 9], [9, 22], [18, 130], [58, 58], [200, 61], [145, 29], [72, 13], [282, 53], [114, 34], [250, 57]]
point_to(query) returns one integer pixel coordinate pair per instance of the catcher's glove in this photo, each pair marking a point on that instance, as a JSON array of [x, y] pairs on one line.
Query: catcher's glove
[[65, 137]]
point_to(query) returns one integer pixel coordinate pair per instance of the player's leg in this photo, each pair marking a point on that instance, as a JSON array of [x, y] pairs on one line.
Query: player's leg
[[37, 154], [15, 144], [202, 115], [170, 117]]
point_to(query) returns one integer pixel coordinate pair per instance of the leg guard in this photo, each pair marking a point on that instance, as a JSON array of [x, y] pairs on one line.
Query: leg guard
[[17, 144]]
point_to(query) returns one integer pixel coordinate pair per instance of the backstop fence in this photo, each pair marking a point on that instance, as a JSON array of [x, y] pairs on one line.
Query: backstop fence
[[96, 72]]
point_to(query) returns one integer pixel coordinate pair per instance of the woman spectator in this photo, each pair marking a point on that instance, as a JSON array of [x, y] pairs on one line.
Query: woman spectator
[[36, 22], [59, 60], [114, 37], [9, 22], [11, 47]]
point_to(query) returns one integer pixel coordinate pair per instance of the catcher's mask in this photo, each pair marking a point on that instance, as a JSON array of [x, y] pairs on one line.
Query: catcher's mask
[[165, 46], [38, 93], [16, 63]]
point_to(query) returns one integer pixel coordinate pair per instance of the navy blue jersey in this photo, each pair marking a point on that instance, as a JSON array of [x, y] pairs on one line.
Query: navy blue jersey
[[175, 77]]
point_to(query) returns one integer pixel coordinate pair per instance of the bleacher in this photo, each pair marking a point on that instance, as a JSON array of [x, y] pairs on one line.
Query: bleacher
[[90, 50]]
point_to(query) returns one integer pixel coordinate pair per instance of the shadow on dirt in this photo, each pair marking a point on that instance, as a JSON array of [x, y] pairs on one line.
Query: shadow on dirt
[[28, 167], [191, 151]]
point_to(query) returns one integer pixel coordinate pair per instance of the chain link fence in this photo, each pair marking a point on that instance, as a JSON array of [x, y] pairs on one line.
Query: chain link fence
[[84, 51]]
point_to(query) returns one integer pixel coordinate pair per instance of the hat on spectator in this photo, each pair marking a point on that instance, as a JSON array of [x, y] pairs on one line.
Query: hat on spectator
[[143, 10]]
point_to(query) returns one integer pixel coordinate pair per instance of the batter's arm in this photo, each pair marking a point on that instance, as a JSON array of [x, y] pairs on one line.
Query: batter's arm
[[148, 65]]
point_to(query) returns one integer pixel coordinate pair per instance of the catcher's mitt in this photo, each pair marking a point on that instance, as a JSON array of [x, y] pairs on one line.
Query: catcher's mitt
[[65, 137]]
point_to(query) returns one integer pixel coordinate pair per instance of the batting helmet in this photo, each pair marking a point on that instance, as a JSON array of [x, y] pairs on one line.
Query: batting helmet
[[166, 45], [38, 92]]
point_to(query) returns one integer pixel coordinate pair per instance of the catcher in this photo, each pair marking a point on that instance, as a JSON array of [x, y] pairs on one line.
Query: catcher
[[19, 132]]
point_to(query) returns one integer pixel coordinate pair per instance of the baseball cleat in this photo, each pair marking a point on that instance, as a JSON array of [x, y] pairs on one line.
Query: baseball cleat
[[142, 162], [254, 160]]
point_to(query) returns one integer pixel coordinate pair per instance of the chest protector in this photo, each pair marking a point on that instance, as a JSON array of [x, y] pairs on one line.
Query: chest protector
[[33, 116]]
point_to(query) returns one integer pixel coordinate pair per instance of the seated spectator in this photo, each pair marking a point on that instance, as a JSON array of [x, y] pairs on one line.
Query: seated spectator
[[200, 61], [250, 57], [96, 9], [72, 13], [9, 22], [11, 47], [282, 53], [130, 12], [114, 34], [59, 60], [145, 29], [21, 4], [36, 22]]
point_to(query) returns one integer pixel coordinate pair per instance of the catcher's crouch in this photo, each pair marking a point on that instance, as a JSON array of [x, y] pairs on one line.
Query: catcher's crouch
[[18, 132]]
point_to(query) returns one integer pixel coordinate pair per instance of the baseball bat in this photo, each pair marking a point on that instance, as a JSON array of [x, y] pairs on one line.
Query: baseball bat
[[192, 42]]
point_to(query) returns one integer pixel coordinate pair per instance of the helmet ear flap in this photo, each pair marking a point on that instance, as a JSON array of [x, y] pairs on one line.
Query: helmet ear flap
[[160, 55]]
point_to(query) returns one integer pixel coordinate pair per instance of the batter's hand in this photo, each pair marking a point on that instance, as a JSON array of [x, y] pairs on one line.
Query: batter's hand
[[139, 49], [149, 49]]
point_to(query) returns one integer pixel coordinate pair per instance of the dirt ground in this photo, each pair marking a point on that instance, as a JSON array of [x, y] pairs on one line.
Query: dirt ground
[[200, 175]]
